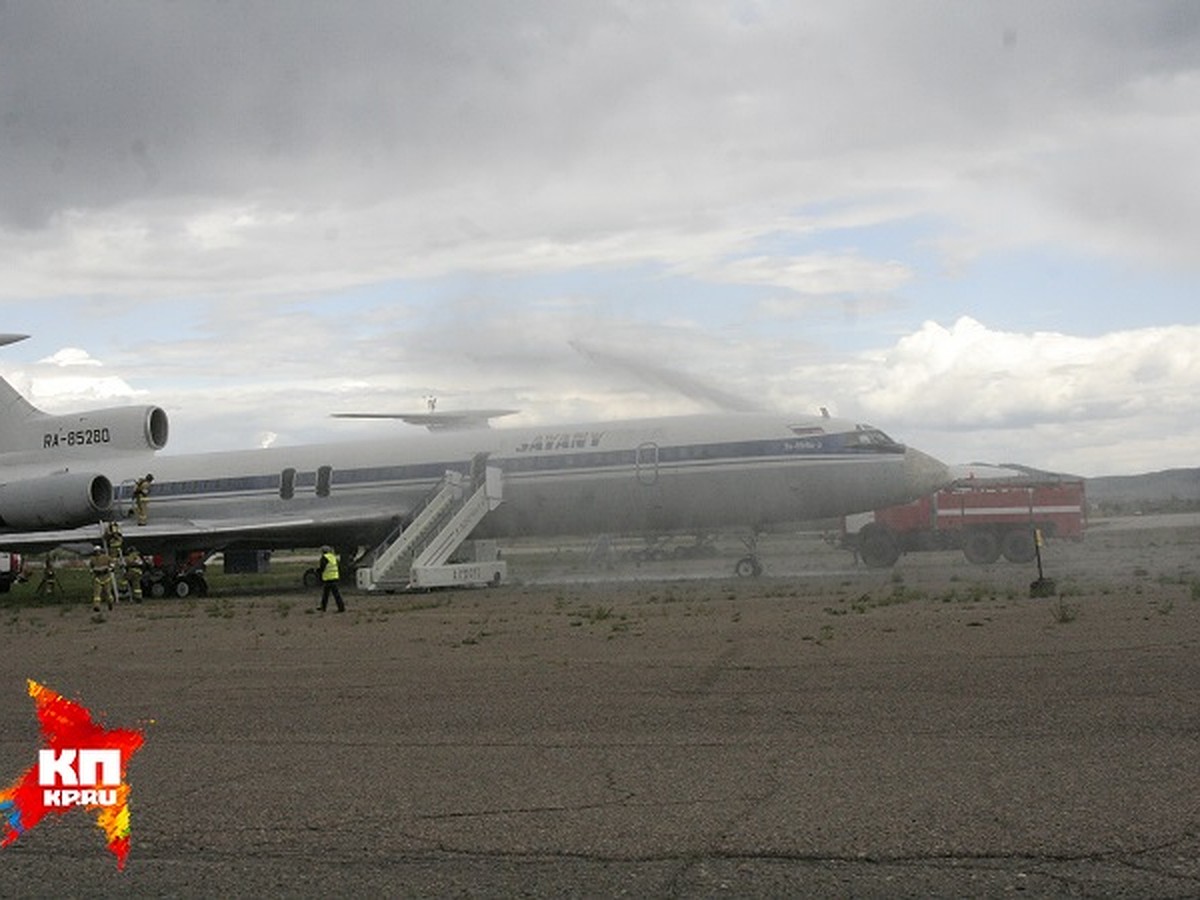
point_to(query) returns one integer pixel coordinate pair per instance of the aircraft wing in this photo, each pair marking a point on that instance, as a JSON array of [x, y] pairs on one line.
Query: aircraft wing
[[455, 420], [343, 528]]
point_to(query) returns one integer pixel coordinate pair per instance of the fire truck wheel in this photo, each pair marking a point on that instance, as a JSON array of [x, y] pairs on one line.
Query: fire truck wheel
[[877, 547], [1019, 546], [981, 547]]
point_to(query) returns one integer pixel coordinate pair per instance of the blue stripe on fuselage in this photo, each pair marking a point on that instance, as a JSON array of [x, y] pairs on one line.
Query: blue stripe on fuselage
[[677, 457]]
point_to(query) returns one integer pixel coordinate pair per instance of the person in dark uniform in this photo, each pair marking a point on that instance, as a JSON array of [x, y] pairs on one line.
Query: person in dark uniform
[[327, 568]]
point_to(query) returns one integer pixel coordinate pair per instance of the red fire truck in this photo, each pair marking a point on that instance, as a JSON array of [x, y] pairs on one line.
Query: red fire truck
[[10, 571], [985, 518]]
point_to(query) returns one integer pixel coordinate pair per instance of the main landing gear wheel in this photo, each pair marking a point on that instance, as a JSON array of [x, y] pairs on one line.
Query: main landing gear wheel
[[748, 567], [191, 584]]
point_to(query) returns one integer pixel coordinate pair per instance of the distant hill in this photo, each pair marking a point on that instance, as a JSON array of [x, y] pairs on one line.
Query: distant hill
[[1173, 490]]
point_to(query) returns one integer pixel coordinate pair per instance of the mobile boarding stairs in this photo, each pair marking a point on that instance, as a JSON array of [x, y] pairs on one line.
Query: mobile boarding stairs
[[417, 556]]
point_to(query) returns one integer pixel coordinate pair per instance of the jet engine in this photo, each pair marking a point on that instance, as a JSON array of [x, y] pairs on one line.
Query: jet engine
[[116, 428], [61, 500]]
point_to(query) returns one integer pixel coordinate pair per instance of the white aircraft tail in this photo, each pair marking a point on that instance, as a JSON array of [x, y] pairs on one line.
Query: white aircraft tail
[[17, 418]]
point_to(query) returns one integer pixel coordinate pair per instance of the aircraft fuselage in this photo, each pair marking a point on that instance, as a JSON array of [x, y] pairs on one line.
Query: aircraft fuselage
[[684, 473]]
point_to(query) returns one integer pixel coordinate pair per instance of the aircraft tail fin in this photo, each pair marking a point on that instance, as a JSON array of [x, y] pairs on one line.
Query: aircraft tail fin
[[15, 415], [15, 410]]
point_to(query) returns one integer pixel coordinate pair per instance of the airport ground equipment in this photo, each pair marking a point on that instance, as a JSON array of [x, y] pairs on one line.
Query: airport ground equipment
[[984, 518], [419, 556], [179, 575]]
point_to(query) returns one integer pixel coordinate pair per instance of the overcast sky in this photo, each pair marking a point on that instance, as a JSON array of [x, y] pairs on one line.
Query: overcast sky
[[974, 225]]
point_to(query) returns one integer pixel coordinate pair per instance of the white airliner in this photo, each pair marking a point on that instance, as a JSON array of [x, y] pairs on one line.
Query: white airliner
[[61, 475]]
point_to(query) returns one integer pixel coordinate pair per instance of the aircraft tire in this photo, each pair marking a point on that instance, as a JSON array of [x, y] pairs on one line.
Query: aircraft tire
[[877, 547], [186, 587], [1018, 546], [747, 567], [981, 547], [310, 578]]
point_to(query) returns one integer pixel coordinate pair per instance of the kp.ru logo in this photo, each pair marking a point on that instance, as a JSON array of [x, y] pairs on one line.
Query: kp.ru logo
[[96, 772], [83, 765]]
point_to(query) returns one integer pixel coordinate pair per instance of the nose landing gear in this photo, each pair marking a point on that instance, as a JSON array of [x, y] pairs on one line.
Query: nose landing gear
[[748, 567]]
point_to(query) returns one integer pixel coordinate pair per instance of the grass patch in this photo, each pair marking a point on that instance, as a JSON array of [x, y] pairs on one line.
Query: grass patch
[[1063, 612], [75, 584], [221, 608]]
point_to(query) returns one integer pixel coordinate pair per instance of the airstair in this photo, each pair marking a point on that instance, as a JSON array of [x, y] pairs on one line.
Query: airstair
[[417, 557]]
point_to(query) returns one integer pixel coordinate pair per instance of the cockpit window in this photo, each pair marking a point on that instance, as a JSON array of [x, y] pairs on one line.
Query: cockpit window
[[806, 430], [867, 437]]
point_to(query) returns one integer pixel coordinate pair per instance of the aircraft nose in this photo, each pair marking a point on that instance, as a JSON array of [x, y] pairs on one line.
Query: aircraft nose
[[924, 474]]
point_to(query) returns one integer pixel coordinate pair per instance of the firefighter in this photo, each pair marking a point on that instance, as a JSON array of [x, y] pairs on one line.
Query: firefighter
[[141, 497], [328, 570], [133, 573], [49, 582], [113, 539], [101, 567]]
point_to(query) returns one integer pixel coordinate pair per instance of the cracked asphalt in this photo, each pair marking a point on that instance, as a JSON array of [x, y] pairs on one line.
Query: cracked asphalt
[[929, 732]]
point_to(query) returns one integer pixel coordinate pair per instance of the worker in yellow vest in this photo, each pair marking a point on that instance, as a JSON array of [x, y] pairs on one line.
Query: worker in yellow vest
[[328, 570]]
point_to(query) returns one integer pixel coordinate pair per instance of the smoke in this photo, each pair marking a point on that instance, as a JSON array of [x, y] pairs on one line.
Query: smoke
[[682, 383]]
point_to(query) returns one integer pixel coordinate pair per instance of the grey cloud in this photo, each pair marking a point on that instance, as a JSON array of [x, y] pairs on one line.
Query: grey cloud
[[103, 103]]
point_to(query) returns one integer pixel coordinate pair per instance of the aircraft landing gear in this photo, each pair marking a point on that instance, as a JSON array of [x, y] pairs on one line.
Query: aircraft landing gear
[[748, 567], [193, 584], [158, 583]]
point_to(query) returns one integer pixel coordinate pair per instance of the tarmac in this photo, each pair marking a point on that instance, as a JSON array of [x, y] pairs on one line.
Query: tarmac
[[926, 732]]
